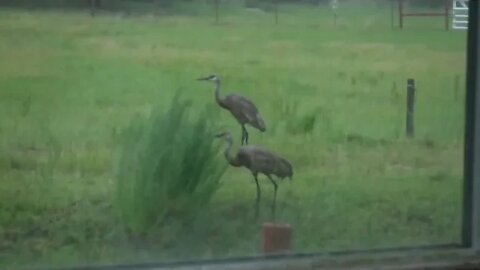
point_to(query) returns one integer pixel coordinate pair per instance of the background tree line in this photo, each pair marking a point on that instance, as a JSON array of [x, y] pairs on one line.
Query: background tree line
[[122, 4]]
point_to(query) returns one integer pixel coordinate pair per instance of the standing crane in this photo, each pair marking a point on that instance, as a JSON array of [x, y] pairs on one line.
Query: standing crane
[[258, 160], [240, 107]]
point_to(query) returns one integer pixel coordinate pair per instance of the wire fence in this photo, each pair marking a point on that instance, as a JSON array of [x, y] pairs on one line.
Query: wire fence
[[337, 13]]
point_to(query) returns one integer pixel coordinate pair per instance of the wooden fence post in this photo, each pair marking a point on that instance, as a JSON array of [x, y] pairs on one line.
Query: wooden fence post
[[92, 8], [334, 6], [276, 12], [392, 15], [410, 126], [217, 11], [447, 11], [400, 13]]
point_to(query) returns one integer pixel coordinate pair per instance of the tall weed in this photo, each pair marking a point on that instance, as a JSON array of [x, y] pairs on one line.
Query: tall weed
[[168, 167]]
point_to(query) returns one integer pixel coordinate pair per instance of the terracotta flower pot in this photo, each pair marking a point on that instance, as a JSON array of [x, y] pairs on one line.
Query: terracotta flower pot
[[276, 238]]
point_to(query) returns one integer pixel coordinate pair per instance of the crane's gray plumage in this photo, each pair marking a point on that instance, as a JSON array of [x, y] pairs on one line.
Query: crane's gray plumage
[[240, 107], [258, 160]]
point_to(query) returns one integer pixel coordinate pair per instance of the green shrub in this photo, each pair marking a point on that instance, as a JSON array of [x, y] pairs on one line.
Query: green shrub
[[168, 166], [303, 123]]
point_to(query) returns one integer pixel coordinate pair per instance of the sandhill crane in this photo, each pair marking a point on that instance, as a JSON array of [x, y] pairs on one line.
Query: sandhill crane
[[240, 107], [258, 160]]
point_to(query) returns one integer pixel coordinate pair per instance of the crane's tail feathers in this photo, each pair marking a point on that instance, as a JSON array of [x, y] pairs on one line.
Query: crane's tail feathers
[[260, 123], [285, 169]]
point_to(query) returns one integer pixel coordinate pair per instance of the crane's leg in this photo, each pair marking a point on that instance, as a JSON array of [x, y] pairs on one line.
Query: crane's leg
[[275, 187], [243, 134], [257, 202]]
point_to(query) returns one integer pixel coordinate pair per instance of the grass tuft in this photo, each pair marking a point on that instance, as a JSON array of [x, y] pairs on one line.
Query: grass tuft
[[168, 167]]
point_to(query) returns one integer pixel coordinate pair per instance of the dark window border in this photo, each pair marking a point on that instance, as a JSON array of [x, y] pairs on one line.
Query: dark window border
[[471, 192], [463, 256]]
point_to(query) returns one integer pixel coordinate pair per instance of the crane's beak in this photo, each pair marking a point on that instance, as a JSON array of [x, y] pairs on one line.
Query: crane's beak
[[203, 79]]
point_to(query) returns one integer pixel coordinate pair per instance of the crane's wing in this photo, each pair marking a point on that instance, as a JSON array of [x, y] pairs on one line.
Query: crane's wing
[[257, 158], [244, 108], [262, 160]]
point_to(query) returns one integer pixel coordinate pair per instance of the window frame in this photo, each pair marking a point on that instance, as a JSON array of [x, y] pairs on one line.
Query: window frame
[[471, 192]]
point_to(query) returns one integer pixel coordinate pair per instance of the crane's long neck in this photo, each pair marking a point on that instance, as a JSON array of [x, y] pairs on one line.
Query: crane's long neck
[[228, 155], [219, 100]]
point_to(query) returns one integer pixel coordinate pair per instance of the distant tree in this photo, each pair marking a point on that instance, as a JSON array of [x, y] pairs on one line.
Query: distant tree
[[97, 3]]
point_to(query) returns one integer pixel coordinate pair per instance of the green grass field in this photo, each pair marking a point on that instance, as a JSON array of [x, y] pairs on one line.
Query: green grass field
[[333, 98]]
